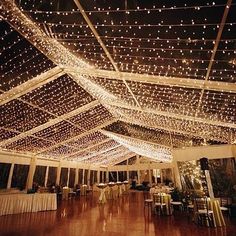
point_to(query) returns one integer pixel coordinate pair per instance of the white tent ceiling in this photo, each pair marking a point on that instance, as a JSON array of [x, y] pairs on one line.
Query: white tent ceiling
[[79, 75]]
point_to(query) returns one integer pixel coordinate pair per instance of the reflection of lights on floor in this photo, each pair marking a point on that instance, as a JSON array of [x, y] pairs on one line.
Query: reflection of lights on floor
[[104, 226], [63, 213]]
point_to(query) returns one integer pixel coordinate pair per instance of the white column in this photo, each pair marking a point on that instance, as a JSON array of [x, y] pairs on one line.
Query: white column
[[127, 169], [150, 176], [68, 177], [10, 176], [161, 175], [107, 176], [209, 184], [127, 174], [138, 171], [88, 179], [46, 176], [155, 176], [76, 176], [98, 176], [177, 179], [30, 177], [83, 176], [58, 174]]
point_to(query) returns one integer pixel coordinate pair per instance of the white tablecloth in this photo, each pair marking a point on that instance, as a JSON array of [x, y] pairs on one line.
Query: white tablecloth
[[20, 203]]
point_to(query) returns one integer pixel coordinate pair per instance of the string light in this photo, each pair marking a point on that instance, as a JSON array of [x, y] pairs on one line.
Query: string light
[[142, 147], [176, 46]]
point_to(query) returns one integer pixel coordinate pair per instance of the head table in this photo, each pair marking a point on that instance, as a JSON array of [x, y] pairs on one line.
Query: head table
[[22, 202]]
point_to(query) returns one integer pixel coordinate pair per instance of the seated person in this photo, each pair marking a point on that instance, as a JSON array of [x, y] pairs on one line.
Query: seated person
[[35, 187]]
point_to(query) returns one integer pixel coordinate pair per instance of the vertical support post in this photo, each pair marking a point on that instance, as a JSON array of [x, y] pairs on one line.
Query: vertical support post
[[76, 175], [30, 177], [150, 175], [83, 176], [98, 176], [127, 169], [58, 174], [138, 171], [10, 176], [88, 179], [46, 176], [177, 179], [117, 176], [68, 177], [155, 175], [107, 176]]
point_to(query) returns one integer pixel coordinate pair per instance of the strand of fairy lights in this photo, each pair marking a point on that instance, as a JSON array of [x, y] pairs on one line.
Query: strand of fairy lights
[[156, 135], [142, 147], [22, 64], [138, 9], [204, 25], [33, 68], [145, 104], [174, 68], [151, 120], [129, 39], [152, 49], [19, 40], [26, 51], [140, 39]]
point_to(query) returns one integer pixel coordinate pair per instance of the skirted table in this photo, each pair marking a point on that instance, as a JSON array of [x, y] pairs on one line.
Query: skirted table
[[109, 192], [65, 193], [83, 190], [102, 197], [20, 203], [126, 187], [120, 190]]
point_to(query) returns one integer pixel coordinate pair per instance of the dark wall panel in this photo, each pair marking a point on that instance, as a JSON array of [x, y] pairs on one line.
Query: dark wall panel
[[39, 175], [4, 173], [64, 176], [19, 177], [52, 176], [72, 178]]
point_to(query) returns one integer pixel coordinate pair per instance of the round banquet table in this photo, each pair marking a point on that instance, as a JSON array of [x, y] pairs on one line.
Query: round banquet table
[[65, 193], [102, 197], [83, 190], [109, 192]]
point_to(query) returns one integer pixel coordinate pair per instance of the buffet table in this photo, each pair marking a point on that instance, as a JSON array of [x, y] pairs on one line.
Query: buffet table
[[20, 203]]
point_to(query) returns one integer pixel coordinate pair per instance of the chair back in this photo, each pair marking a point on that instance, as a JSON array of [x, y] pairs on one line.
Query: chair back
[[157, 198], [201, 204]]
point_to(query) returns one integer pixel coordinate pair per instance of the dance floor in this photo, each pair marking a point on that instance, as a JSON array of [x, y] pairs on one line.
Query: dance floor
[[125, 216]]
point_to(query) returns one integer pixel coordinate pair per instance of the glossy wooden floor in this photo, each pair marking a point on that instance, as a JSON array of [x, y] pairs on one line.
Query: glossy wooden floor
[[125, 216]]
